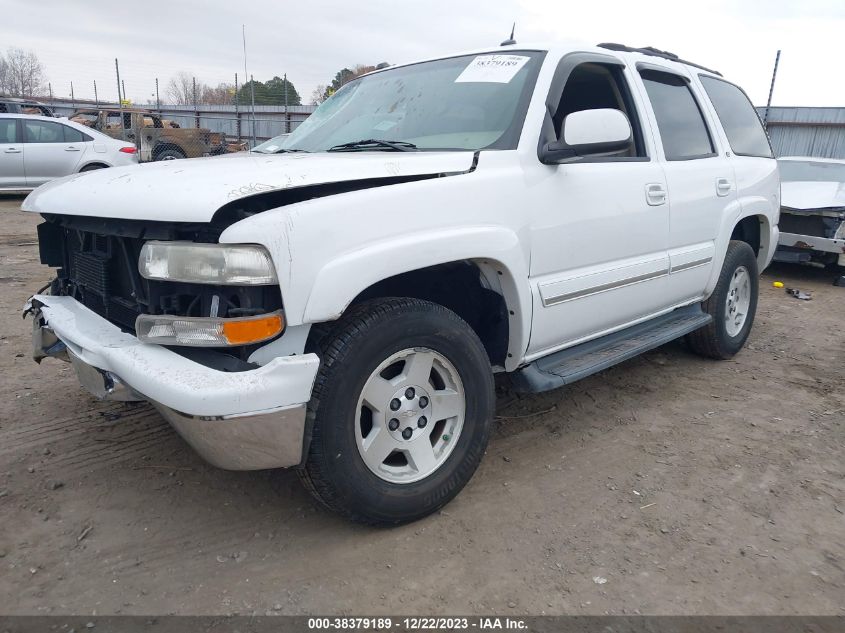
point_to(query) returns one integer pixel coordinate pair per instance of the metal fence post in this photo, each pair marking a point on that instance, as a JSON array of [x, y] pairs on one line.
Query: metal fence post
[[237, 109], [196, 107]]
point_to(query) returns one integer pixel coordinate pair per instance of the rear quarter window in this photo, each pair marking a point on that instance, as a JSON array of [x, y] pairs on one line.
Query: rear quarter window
[[738, 117]]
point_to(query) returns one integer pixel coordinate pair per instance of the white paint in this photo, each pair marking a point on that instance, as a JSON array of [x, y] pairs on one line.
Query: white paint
[[191, 190], [604, 125]]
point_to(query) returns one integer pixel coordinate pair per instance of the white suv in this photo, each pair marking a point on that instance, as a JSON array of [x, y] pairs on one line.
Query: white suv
[[341, 305]]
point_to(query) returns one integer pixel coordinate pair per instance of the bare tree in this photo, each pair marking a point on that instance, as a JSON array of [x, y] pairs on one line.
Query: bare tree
[[180, 89], [320, 94], [223, 94], [4, 75], [24, 74]]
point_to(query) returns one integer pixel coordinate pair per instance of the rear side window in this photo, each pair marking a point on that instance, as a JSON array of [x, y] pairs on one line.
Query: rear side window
[[42, 132], [738, 117], [682, 127], [8, 131], [73, 135]]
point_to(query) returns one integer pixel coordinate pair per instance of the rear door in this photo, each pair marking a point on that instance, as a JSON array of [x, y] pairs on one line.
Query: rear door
[[47, 154], [699, 178], [11, 154]]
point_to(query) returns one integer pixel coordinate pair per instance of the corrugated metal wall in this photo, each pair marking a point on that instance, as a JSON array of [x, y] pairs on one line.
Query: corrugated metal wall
[[807, 131]]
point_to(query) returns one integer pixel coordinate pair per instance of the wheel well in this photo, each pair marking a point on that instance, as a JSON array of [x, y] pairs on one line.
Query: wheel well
[[91, 165], [459, 287], [748, 230]]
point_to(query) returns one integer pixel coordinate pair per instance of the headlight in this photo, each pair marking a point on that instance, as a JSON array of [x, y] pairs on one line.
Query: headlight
[[208, 332], [221, 264]]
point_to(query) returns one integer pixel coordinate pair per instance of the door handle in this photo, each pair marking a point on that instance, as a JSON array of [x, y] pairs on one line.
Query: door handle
[[723, 187], [71, 149], [12, 150], [655, 194]]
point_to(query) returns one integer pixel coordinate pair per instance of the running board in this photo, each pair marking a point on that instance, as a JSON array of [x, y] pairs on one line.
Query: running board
[[575, 363]]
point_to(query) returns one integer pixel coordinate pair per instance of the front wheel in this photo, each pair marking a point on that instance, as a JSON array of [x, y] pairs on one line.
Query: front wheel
[[732, 305], [401, 411]]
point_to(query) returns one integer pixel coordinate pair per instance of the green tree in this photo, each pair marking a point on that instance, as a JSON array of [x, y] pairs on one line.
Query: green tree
[[343, 77], [270, 93]]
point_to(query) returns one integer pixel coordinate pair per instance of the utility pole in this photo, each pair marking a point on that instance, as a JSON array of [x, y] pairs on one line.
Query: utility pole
[[50, 89], [158, 103], [119, 100], [96, 97], [122, 83], [771, 90], [251, 83], [72, 99], [287, 117]]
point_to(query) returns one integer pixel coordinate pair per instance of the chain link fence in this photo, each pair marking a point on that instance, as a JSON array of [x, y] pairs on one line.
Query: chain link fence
[[174, 131]]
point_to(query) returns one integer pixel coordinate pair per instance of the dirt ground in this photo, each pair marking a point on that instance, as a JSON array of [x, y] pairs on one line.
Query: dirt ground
[[667, 485]]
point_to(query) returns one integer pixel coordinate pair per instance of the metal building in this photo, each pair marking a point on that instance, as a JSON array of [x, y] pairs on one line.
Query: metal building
[[806, 131]]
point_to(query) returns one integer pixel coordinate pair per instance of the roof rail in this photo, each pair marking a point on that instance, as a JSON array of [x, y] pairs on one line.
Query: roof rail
[[655, 52]]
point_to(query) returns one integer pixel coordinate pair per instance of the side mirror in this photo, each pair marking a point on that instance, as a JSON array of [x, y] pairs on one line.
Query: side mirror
[[589, 133]]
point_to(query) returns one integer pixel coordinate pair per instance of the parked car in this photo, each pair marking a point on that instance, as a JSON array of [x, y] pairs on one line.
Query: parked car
[[341, 306], [812, 212], [156, 138], [37, 149], [15, 105]]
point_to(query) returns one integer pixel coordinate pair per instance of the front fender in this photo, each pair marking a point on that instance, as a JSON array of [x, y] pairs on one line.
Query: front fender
[[496, 250]]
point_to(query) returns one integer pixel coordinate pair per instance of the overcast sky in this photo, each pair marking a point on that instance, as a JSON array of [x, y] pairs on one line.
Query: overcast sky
[[311, 40]]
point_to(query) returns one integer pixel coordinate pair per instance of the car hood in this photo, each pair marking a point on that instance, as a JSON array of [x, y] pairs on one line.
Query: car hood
[[812, 195], [191, 190]]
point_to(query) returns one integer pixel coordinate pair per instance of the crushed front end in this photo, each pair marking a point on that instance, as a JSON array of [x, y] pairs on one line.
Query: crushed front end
[[159, 311]]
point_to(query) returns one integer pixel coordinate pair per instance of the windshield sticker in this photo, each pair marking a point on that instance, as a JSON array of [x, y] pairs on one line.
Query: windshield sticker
[[498, 69], [385, 125]]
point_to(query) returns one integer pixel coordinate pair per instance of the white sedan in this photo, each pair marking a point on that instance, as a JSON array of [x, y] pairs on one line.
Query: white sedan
[[37, 149]]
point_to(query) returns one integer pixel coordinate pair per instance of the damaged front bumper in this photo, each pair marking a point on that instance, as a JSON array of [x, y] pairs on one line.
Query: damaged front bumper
[[246, 420]]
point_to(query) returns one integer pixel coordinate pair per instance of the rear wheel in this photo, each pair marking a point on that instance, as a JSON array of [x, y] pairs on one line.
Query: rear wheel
[[732, 305], [93, 167], [401, 411], [170, 153]]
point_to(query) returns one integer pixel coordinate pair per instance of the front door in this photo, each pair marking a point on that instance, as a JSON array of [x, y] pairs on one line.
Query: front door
[[11, 155], [599, 228], [47, 154]]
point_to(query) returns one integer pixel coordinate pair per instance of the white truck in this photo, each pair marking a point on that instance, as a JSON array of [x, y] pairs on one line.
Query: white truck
[[340, 306]]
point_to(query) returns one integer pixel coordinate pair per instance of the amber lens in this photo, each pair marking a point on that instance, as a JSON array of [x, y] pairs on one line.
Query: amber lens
[[252, 330]]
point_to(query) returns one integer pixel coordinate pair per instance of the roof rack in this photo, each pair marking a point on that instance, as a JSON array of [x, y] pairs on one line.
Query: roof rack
[[655, 52]]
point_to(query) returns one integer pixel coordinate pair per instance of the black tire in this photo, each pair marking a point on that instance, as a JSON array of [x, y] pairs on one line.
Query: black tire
[[93, 167], [171, 153], [335, 472], [714, 341]]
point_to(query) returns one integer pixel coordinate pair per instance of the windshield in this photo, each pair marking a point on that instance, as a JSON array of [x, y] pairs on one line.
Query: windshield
[[461, 103], [811, 171]]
